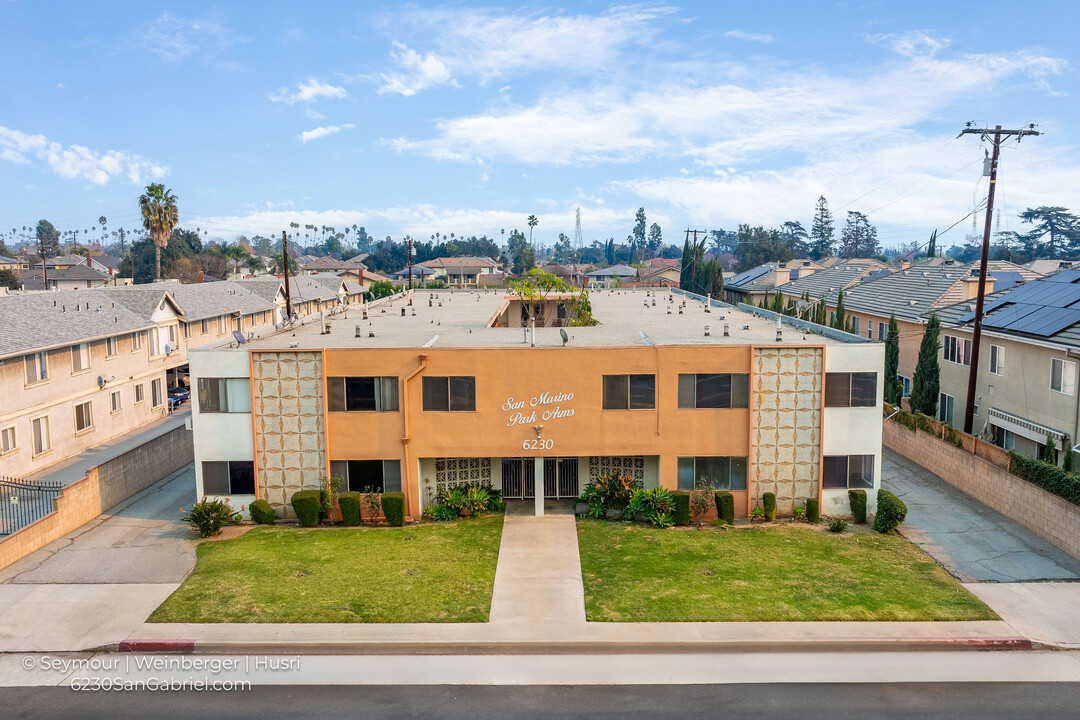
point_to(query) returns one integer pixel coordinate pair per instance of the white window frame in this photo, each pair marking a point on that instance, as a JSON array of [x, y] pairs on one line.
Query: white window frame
[[89, 416], [882, 331], [171, 330], [1067, 376], [997, 360], [40, 362], [8, 445], [943, 400], [905, 383], [111, 347], [222, 326], [156, 388], [42, 422], [204, 328], [956, 350], [136, 341], [155, 342], [140, 393], [116, 402], [82, 350]]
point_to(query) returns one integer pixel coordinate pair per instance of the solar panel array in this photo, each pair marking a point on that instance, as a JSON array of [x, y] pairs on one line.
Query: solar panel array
[[1041, 307], [749, 276]]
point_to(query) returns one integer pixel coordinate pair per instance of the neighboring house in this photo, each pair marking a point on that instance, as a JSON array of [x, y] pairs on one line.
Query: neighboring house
[[752, 285], [326, 264], [7, 263], [827, 281], [642, 393], [612, 275], [307, 293], [1028, 362], [1046, 267], [463, 271], [420, 274], [76, 277], [910, 294], [659, 276], [348, 292]]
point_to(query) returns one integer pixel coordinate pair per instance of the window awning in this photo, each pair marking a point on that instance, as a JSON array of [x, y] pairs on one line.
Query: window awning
[[1024, 428]]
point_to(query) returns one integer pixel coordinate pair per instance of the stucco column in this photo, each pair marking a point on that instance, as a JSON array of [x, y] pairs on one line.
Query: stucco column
[[538, 485]]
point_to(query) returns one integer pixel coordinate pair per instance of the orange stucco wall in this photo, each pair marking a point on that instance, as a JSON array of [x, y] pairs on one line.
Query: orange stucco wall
[[522, 374]]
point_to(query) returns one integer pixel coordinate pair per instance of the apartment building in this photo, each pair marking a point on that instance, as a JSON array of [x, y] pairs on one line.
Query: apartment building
[[751, 286], [467, 271], [1028, 364], [441, 389], [80, 367]]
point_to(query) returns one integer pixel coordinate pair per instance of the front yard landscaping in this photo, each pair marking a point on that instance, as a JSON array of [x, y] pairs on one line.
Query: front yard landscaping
[[435, 572], [789, 572]]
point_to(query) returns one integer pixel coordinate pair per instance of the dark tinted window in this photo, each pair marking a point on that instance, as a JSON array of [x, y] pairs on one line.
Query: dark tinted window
[[642, 392], [463, 393], [242, 477], [360, 393], [714, 390], [863, 389], [837, 389], [633, 392], [834, 469], [616, 395], [436, 393]]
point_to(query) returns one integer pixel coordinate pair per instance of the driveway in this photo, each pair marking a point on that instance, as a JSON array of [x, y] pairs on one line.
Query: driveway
[[97, 584], [971, 541]]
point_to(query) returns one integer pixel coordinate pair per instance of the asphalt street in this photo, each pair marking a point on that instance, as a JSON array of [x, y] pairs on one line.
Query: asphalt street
[[954, 701]]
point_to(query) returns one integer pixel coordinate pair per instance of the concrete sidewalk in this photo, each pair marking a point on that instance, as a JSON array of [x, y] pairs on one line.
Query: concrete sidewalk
[[75, 467]]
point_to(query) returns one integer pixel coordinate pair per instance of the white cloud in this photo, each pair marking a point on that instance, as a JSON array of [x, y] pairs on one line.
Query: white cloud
[[749, 37], [175, 38], [313, 114], [76, 161], [422, 221], [488, 44], [308, 92], [309, 135]]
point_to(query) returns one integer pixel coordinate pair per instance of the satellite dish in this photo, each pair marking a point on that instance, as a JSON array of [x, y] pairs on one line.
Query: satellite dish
[[240, 339], [100, 381], [168, 348], [565, 337], [802, 305]]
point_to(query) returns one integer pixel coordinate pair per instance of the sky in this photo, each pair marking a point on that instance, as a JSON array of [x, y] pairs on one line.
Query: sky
[[466, 118]]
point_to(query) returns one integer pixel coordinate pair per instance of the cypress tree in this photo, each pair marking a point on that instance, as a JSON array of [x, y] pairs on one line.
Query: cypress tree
[[838, 321], [894, 389], [684, 271], [1050, 451], [926, 385], [1067, 459], [777, 302]]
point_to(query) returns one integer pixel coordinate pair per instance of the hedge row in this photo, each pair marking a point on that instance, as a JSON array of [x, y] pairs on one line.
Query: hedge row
[[1049, 477], [681, 513]]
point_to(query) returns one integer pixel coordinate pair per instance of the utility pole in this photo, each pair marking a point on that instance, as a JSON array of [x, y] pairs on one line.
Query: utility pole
[[44, 270], [693, 257], [75, 235], [285, 264], [408, 251], [994, 136]]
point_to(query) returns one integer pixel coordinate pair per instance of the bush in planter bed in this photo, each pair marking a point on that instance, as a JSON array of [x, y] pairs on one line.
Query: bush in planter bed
[[725, 507], [261, 512], [681, 512], [393, 506], [349, 502], [857, 501], [768, 501], [891, 511], [307, 504], [813, 510]]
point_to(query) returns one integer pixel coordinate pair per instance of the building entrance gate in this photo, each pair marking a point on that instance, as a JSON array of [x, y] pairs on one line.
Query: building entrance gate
[[519, 478]]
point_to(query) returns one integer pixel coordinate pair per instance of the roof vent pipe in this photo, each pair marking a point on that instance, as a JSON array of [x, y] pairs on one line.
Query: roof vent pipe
[[726, 330]]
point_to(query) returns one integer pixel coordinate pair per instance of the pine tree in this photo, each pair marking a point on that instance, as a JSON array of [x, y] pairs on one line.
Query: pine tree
[[894, 389], [926, 385], [838, 319], [821, 231]]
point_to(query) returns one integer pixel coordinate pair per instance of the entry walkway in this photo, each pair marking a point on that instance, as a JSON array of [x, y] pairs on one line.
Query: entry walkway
[[538, 579]]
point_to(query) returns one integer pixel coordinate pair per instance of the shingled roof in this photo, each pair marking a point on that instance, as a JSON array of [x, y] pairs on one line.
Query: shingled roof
[[824, 283]]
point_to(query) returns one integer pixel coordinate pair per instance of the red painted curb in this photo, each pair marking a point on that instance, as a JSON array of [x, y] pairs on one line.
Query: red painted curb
[[157, 646]]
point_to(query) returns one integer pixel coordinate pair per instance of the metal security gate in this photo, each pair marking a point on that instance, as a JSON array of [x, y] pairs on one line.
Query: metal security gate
[[518, 478], [22, 502], [560, 478]]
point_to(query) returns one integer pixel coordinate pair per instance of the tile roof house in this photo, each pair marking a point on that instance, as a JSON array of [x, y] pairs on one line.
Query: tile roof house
[[623, 273], [750, 286], [839, 276]]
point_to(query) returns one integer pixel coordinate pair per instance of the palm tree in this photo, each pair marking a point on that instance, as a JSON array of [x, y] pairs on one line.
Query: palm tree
[[159, 215], [101, 221], [533, 222]]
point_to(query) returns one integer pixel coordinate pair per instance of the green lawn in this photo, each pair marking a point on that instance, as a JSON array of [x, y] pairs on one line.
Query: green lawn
[[634, 573], [438, 572]]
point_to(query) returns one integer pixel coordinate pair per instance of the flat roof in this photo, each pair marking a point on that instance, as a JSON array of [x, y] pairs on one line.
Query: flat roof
[[627, 318]]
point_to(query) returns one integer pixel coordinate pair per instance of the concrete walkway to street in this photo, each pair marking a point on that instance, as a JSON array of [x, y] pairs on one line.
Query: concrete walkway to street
[[538, 578], [99, 583], [971, 541], [75, 467]]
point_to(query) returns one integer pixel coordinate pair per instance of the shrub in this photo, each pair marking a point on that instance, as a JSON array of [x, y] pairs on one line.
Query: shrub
[[615, 489], [659, 498], [261, 512], [857, 501], [393, 507], [477, 499], [662, 519], [637, 504], [307, 504], [837, 525], [700, 500], [349, 502], [209, 516], [813, 510], [1048, 477], [372, 503], [725, 506], [440, 513], [768, 501], [455, 498], [798, 512], [757, 513], [891, 511], [328, 497], [681, 510]]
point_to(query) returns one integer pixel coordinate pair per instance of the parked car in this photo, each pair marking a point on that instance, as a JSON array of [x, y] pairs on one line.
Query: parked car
[[178, 395]]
